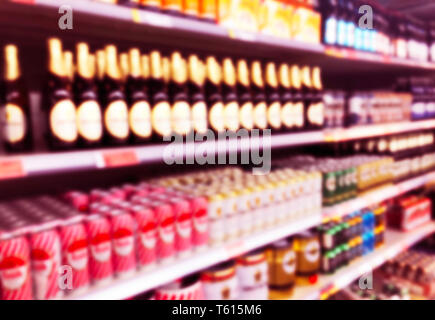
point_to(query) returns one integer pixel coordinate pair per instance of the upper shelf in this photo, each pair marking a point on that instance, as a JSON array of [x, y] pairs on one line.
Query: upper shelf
[[106, 22], [16, 166]]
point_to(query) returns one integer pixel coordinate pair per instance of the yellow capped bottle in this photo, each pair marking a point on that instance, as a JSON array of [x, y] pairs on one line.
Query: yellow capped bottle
[[287, 109], [214, 96], [160, 107], [229, 95], [139, 113], [298, 102], [246, 111], [89, 118], [15, 105], [258, 96], [307, 92], [273, 98], [315, 112], [196, 82], [180, 106], [61, 125], [115, 109]]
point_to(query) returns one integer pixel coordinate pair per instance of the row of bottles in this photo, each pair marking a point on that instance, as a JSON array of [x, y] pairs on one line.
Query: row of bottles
[[116, 99]]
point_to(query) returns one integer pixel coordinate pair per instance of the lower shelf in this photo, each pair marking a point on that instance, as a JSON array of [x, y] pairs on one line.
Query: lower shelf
[[395, 243]]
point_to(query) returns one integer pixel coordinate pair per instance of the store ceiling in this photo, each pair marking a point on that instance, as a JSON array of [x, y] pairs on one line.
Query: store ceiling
[[422, 9]]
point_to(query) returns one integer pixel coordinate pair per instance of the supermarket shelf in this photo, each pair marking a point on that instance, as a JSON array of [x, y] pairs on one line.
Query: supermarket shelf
[[395, 243], [17, 166], [125, 288], [162, 274], [377, 195], [94, 18]]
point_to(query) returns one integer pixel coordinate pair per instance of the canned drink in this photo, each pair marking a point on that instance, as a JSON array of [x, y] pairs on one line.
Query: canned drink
[[189, 288], [100, 248], [220, 282], [78, 200], [124, 255], [165, 230], [199, 207], [46, 259], [183, 226], [252, 269], [16, 282], [146, 235], [75, 253]]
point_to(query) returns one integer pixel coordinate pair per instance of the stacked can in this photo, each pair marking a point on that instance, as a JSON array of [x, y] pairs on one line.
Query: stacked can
[[241, 203], [252, 275]]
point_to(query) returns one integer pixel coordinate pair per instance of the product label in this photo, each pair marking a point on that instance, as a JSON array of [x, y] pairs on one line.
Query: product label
[[208, 9], [101, 252], [274, 115], [77, 255], [312, 251], [13, 278], [172, 5], [191, 7], [247, 115], [341, 32], [331, 30], [315, 113], [161, 118], [15, 123], [140, 119], [199, 117], [260, 115], [123, 246], [289, 262], [116, 119], [63, 120], [180, 117], [231, 115], [216, 117], [89, 123]]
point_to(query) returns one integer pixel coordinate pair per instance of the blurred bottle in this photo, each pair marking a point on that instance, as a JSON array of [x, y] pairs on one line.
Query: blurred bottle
[[197, 74], [115, 109], [139, 115], [89, 120], [180, 106], [160, 107], [214, 96], [298, 103], [229, 93], [258, 96], [273, 98], [61, 125], [246, 112], [15, 104], [287, 109]]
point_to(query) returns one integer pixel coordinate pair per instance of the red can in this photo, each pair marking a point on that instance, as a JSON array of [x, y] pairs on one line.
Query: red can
[[46, 259], [15, 279], [100, 248], [124, 258], [183, 225], [75, 252], [199, 207], [166, 230], [146, 235], [78, 200]]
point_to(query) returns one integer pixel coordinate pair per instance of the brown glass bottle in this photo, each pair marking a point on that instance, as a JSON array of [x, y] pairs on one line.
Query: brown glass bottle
[[179, 100], [61, 125], [229, 96], [139, 113], [198, 104], [89, 119], [258, 96], [287, 109], [298, 102], [246, 111], [307, 92], [160, 107], [273, 98], [115, 109], [15, 105], [315, 110], [214, 98]]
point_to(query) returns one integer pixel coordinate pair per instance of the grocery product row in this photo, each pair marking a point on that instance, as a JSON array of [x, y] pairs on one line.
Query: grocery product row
[[106, 98], [107, 235]]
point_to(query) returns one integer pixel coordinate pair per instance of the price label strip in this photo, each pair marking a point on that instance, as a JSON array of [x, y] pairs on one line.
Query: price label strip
[[11, 168], [113, 159]]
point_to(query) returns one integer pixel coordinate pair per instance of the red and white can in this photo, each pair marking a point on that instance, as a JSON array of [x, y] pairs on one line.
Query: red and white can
[[100, 248], [75, 253], [124, 255], [46, 256], [15, 279], [146, 235], [166, 230], [200, 221], [189, 288], [78, 200], [183, 226]]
